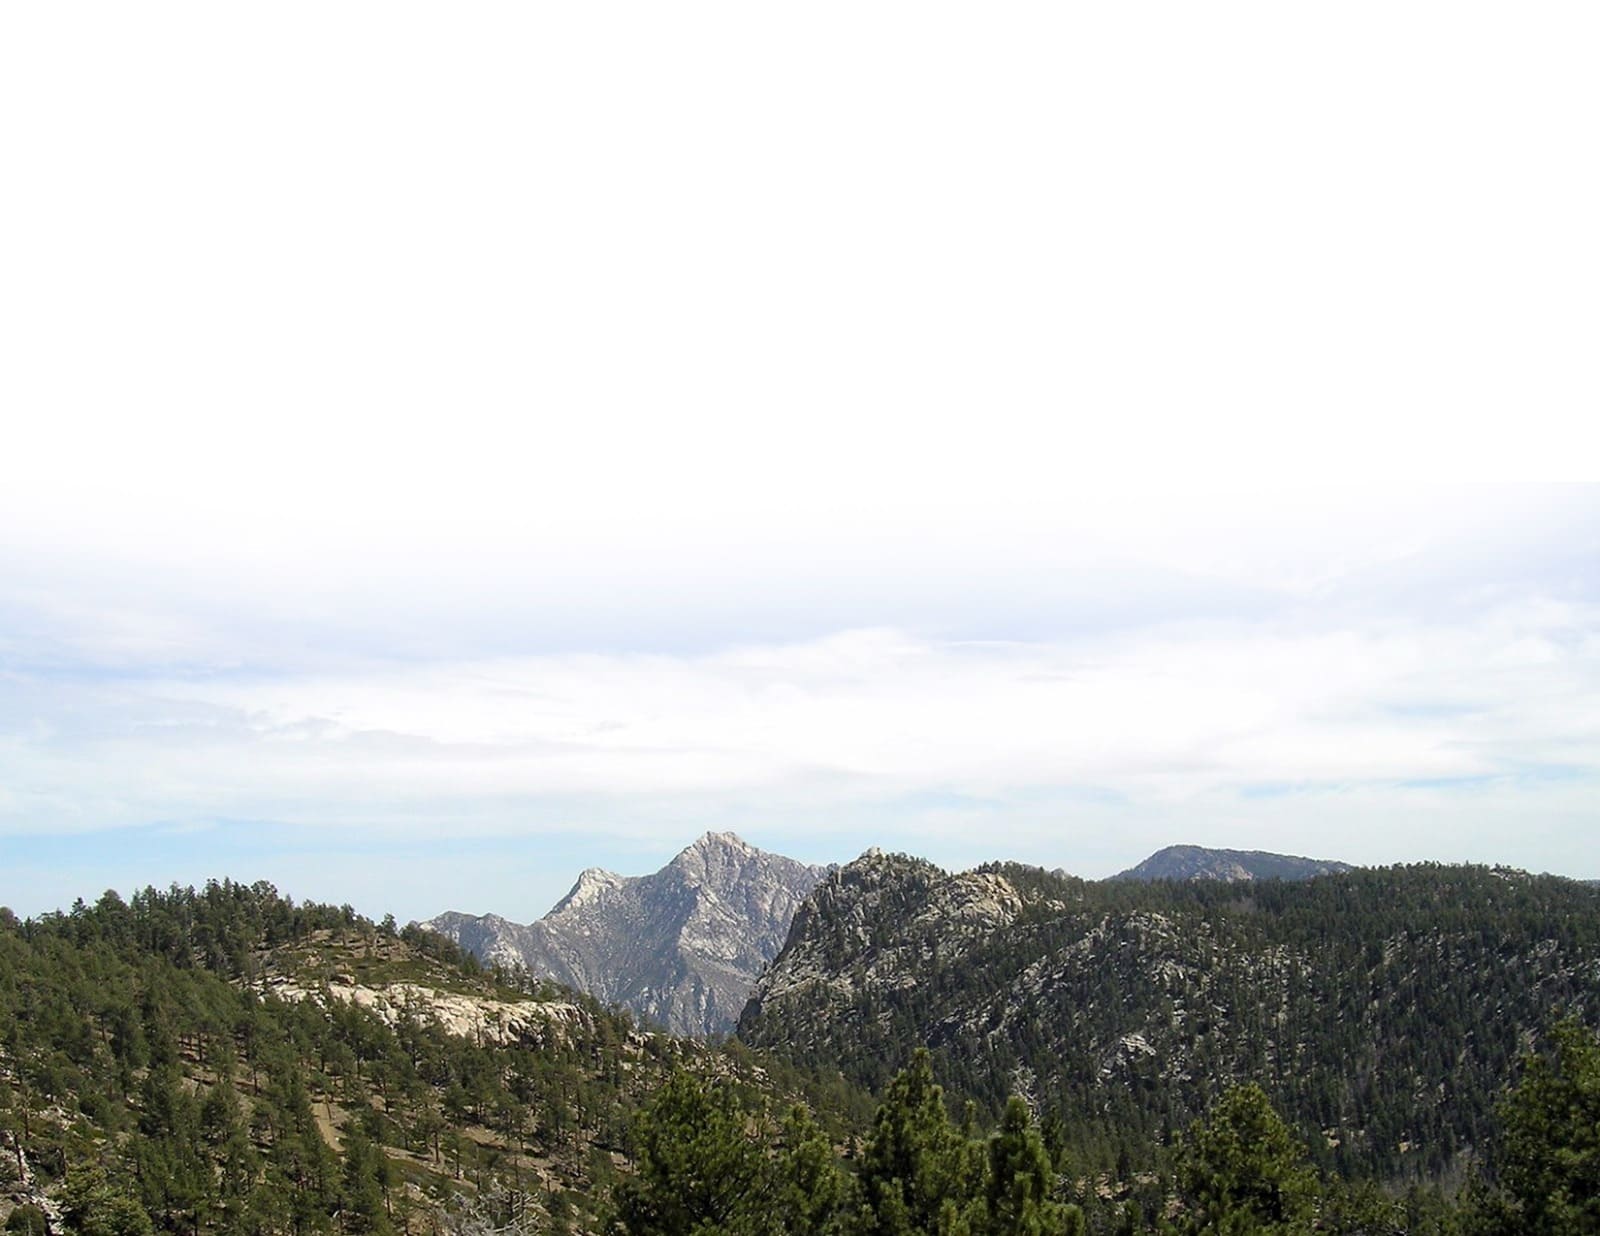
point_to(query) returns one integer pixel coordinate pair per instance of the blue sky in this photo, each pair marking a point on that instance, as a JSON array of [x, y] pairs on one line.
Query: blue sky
[[538, 438]]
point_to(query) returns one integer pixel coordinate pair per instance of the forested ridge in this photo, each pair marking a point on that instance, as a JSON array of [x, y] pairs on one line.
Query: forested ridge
[[225, 1060], [1382, 1010]]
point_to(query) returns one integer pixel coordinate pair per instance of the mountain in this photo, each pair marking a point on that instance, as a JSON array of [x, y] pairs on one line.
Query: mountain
[[681, 947], [1193, 862], [1381, 1009]]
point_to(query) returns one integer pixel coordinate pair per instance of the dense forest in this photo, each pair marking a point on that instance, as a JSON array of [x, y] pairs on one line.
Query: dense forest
[[1381, 1010], [225, 1060], [706, 1165], [202, 1061]]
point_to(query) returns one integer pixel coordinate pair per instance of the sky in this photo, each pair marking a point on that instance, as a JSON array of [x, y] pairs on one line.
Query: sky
[[442, 450]]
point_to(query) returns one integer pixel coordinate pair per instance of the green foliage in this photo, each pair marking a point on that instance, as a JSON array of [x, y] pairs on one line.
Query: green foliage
[[93, 1206], [1241, 1171], [1365, 1209], [1021, 1181], [814, 1195], [1549, 1161], [154, 1083], [148, 1061], [27, 1220], [699, 1171], [920, 1173], [364, 1189], [1355, 1001]]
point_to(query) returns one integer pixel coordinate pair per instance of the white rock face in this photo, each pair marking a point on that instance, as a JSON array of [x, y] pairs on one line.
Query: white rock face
[[681, 947], [472, 1017]]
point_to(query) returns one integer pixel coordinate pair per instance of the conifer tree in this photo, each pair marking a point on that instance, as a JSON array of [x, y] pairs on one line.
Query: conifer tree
[[365, 1182], [1242, 1171], [813, 1194], [698, 1170], [1550, 1156], [1021, 1180], [919, 1174]]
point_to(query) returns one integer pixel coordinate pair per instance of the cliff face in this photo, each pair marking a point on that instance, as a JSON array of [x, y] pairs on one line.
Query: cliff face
[[682, 946]]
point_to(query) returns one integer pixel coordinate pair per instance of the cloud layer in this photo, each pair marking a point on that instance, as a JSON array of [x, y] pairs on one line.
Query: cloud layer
[[1473, 737]]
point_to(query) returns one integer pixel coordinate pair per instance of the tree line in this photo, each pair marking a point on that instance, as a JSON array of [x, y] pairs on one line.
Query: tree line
[[711, 1164]]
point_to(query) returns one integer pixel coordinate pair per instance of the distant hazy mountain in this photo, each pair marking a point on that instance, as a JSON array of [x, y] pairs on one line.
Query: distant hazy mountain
[[682, 947], [1194, 862]]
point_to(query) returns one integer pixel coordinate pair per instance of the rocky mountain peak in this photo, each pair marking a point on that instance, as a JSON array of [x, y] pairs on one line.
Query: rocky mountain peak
[[720, 860], [713, 842], [681, 946], [593, 883]]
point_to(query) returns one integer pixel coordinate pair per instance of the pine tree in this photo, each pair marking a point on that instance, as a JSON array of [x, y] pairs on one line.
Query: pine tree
[[94, 1206], [699, 1172], [813, 1195], [365, 1181], [1242, 1171], [920, 1174], [1550, 1156], [1021, 1179]]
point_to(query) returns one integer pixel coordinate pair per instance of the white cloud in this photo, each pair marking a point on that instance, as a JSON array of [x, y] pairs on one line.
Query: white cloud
[[1161, 721]]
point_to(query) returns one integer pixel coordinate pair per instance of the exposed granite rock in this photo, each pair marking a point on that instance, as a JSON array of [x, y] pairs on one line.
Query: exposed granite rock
[[479, 1018], [681, 947]]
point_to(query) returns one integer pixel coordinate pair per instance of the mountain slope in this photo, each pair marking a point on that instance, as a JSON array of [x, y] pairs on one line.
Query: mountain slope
[[1381, 1009], [681, 947], [1193, 862], [227, 1060]]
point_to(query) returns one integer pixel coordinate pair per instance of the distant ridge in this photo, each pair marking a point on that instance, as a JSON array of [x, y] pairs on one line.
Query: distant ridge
[[681, 947], [1194, 862]]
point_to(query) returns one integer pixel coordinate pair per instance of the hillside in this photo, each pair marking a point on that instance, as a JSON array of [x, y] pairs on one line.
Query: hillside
[[1381, 1009], [1194, 862], [226, 1060], [681, 947]]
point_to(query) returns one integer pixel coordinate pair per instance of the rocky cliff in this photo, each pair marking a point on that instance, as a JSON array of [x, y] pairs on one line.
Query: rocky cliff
[[681, 947]]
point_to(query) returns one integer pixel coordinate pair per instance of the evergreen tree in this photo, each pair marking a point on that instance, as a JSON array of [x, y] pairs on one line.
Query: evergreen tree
[[1242, 1171], [1550, 1156], [94, 1206], [699, 1171], [365, 1183], [1021, 1180], [919, 1175], [813, 1194]]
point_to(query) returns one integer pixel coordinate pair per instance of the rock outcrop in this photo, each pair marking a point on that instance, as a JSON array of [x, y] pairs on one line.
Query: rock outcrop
[[681, 947]]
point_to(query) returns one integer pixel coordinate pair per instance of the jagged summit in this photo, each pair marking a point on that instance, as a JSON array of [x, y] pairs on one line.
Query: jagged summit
[[593, 882], [718, 841], [681, 946], [1194, 862]]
